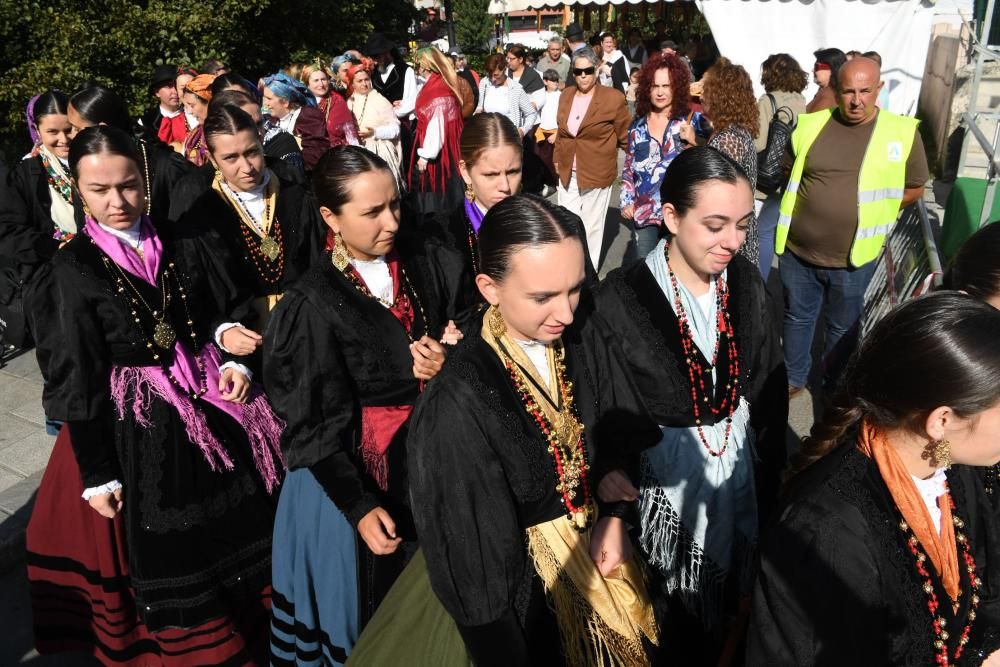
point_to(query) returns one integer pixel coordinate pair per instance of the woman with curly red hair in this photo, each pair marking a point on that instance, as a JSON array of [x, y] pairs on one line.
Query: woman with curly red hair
[[664, 125], [730, 105]]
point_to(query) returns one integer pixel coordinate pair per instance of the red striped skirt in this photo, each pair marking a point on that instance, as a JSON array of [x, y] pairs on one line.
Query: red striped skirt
[[81, 596]]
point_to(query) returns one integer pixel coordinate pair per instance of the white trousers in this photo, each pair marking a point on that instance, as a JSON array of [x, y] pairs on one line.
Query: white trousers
[[591, 205]]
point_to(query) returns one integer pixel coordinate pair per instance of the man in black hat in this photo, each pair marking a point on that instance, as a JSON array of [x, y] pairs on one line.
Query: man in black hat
[[575, 42], [394, 79], [163, 87]]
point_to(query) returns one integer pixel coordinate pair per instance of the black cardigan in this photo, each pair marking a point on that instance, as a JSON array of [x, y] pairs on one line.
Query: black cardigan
[[329, 350]]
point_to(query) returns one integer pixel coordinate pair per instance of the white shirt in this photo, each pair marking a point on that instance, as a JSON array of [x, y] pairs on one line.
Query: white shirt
[[497, 100], [930, 490], [409, 100], [132, 237], [253, 200], [170, 114], [537, 353], [550, 109], [434, 138], [377, 277], [288, 122]]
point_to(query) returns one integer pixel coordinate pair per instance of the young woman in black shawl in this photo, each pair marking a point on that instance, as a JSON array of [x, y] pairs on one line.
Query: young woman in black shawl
[[254, 231], [346, 353], [490, 151], [149, 541], [507, 449], [693, 323], [885, 549]]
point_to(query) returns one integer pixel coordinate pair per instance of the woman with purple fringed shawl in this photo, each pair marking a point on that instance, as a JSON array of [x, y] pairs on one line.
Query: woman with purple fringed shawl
[[170, 444]]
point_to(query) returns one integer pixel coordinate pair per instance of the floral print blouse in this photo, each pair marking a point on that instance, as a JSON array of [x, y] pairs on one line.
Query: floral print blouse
[[646, 160]]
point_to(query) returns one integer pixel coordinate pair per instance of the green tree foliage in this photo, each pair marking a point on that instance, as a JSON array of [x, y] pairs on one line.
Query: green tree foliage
[[66, 43], [473, 24]]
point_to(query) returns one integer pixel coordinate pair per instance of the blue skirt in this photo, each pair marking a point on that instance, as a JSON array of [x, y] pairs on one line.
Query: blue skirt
[[314, 617]]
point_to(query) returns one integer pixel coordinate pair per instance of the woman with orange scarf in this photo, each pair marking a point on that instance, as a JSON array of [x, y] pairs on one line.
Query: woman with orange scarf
[[882, 552], [434, 177], [197, 95]]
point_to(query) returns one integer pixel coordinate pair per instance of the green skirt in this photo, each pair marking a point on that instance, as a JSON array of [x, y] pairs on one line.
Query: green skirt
[[411, 627]]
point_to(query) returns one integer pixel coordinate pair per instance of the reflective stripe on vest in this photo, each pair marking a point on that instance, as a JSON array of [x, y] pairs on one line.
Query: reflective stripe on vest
[[880, 180]]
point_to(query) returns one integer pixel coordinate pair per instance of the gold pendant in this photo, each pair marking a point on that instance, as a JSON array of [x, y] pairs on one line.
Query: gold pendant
[[269, 248], [567, 429], [163, 335]]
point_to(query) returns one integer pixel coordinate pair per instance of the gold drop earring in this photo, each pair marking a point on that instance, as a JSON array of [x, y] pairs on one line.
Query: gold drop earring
[[340, 257]]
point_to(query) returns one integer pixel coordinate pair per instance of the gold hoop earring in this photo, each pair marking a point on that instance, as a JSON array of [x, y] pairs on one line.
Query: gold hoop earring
[[469, 194], [340, 257], [938, 453]]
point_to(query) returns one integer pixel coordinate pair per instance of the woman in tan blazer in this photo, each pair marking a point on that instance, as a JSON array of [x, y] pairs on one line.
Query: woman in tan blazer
[[593, 125]]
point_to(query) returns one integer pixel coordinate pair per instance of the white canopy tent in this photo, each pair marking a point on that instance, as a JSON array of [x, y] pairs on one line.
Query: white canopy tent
[[747, 31]]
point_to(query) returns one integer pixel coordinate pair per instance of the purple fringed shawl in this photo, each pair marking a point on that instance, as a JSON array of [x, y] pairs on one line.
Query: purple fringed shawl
[[142, 383]]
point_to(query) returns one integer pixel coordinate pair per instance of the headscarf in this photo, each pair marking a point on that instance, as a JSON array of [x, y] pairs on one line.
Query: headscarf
[[29, 112], [201, 86], [290, 89], [366, 65]]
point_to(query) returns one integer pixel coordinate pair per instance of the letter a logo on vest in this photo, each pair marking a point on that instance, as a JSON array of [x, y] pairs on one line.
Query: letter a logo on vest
[[895, 151]]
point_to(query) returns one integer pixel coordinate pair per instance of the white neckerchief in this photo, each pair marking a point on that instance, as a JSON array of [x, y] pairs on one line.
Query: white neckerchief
[[288, 122], [384, 73], [930, 490], [192, 121], [537, 353], [253, 200], [710, 500], [132, 237], [170, 114], [377, 277]]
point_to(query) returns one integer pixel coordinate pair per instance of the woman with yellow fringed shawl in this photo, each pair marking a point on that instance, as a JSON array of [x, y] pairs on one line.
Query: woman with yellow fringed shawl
[[506, 449]]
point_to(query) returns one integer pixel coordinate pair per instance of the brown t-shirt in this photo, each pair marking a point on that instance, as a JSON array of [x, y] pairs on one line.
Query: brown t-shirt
[[826, 209]]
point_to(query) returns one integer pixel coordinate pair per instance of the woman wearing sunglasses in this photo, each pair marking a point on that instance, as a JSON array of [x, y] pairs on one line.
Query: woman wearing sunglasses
[[592, 123], [828, 61]]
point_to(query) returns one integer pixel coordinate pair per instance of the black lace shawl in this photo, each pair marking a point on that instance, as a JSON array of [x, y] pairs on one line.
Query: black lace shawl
[[838, 585], [632, 304]]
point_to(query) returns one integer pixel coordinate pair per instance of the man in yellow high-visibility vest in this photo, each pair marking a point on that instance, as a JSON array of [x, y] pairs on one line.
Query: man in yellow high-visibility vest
[[851, 170]]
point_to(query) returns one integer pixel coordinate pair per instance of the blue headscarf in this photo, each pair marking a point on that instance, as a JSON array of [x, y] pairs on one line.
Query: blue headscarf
[[340, 60], [288, 88]]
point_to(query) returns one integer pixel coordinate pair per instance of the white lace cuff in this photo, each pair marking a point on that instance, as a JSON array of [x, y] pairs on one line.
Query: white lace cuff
[[109, 487], [221, 329], [237, 366]]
